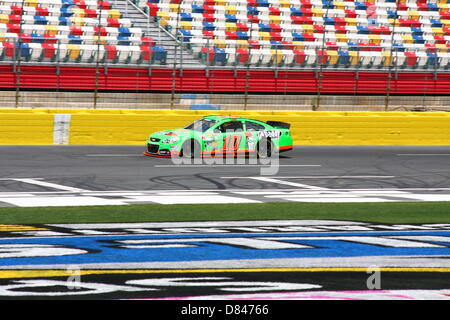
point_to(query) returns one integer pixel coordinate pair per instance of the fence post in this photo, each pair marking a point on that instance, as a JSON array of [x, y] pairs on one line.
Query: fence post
[[97, 63], [320, 76]]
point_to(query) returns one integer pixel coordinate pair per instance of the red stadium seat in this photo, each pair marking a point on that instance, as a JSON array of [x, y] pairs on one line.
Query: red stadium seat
[[153, 9], [411, 59], [111, 52], [48, 50], [146, 53], [300, 57], [242, 55], [16, 10], [42, 11], [76, 31], [50, 38], [100, 31], [80, 3]]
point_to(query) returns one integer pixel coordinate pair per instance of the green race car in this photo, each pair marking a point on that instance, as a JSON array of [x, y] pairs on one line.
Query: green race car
[[222, 135]]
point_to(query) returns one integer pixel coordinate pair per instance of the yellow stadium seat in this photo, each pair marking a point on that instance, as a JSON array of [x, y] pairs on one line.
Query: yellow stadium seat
[[445, 23], [230, 26], [354, 57], [317, 12], [351, 21], [341, 37], [407, 38], [114, 14], [163, 14], [298, 45], [51, 30], [437, 31], [78, 12], [333, 57], [307, 28], [163, 22], [339, 5], [387, 57], [230, 10], [243, 44], [31, 3], [443, 6], [77, 21], [186, 25], [219, 43], [394, 22], [173, 7], [277, 56], [74, 51], [264, 35], [285, 3], [375, 38], [275, 19], [4, 18]]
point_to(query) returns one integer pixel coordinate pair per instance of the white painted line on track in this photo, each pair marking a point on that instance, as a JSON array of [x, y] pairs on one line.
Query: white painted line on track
[[189, 199], [293, 184], [230, 165], [60, 201], [112, 155], [422, 154], [49, 185], [323, 177]]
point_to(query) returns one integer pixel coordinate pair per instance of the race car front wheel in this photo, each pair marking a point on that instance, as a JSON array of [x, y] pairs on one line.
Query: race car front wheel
[[190, 149]]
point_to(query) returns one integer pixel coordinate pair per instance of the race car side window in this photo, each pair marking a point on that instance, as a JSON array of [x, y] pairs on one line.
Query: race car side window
[[231, 126], [253, 126]]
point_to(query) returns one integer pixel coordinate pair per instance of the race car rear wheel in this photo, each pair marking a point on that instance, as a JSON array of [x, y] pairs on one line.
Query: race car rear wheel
[[264, 148], [190, 149]]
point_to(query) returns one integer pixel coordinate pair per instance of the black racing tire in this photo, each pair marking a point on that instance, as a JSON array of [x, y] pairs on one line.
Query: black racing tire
[[190, 149], [264, 149]]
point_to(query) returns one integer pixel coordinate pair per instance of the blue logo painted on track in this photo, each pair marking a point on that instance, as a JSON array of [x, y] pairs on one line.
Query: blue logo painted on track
[[194, 247]]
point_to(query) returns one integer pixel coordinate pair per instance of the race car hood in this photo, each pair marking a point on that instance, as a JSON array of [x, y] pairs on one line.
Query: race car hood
[[172, 133]]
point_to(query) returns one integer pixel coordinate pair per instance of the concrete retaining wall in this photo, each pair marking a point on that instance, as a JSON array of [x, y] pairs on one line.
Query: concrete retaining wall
[[117, 126]]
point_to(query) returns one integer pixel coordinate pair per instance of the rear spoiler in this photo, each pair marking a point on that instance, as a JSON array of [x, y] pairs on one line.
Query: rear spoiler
[[279, 124]]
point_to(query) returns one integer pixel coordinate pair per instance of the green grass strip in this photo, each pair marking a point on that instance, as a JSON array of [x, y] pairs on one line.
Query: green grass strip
[[385, 212]]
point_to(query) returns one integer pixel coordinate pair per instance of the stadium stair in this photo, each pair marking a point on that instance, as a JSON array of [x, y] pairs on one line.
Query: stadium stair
[[151, 29]]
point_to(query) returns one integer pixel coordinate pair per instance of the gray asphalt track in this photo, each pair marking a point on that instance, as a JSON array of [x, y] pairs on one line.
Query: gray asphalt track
[[106, 168]]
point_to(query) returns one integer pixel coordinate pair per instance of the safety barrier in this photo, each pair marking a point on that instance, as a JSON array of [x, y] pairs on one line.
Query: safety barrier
[[132, 127]]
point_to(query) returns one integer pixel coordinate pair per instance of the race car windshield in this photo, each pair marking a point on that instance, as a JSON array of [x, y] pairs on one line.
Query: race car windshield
[[201, 125]]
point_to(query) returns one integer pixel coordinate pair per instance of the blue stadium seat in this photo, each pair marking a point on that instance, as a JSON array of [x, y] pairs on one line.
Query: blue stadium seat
[[264, 27], [36, 38], [197, 8], [66, 12], [242, 35], [184, 16], [124, 32], [23, 50], [231, 18], [297, 36], [74, 39], [40, 20], [160, 54], [64, 21], [296, 12], [344, 57], [220, 56], [186, 35], [363, 29], [123, 41], [208, 26]]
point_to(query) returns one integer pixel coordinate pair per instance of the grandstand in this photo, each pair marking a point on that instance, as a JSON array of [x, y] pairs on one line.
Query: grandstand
[[228, 46]]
